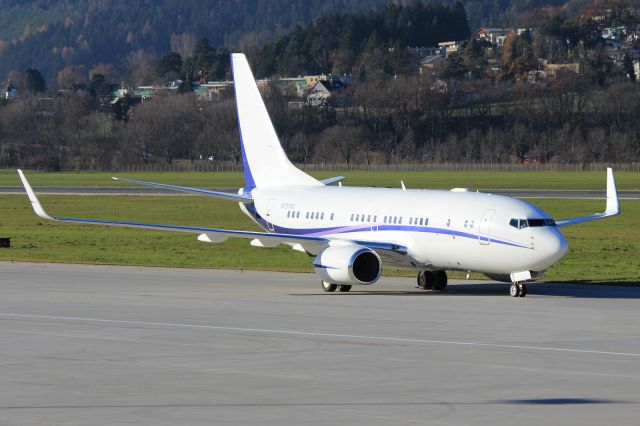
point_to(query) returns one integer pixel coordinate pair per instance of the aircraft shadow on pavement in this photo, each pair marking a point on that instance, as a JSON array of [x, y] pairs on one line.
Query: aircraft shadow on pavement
[[561, 401], [562, 289], [542, 401]]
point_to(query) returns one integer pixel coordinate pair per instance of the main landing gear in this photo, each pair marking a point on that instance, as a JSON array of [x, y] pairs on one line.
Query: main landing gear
[[436, 280], [518, 290], [328, 287]]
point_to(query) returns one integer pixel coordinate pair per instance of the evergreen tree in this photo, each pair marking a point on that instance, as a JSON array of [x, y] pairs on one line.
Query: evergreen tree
[[170, 66], [185, 87], [33, 81], [454, 67]]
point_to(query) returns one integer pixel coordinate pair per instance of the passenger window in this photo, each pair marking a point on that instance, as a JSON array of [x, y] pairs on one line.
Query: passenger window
[[448, 222], [322, 216], [410, 221], [331, 216], [400, 220], [369, 218], [307, 215], [298, 215], [351, 217], [420, 221], [375, 218], [395, 219]]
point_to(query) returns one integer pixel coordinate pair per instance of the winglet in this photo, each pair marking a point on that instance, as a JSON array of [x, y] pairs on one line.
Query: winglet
[[612, 208], [35, 203], [613, 205]]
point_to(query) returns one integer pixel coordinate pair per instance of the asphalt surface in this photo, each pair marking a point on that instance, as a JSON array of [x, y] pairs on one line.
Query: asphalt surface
[[519, 193], [98, 345]]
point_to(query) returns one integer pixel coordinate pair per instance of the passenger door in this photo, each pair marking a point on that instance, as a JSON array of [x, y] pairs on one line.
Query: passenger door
[[484, 231]]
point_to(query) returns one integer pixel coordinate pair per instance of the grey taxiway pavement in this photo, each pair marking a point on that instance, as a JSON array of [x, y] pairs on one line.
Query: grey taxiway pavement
[[519, 193], [98, 345]]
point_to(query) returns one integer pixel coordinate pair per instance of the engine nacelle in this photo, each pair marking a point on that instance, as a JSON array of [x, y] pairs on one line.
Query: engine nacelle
[[348, 264]]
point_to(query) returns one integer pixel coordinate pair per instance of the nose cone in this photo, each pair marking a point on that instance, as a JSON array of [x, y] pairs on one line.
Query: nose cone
[[551, 247]]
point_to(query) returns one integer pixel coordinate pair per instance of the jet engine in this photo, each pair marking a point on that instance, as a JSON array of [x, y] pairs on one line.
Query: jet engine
[[348, 264]]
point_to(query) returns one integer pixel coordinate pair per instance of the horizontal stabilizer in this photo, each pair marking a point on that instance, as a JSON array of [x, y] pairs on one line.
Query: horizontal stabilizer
[[219, 194], [333, 180]]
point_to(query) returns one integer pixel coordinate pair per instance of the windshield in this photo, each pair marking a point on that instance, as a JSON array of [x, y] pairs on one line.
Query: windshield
[[524, 223]]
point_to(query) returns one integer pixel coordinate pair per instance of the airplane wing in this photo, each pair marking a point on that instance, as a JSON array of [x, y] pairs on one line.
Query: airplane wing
[[219, 194], [215, 235], [612, 208]]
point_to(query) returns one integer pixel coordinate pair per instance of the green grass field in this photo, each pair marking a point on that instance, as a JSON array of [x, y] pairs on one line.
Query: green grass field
[[601, 251], [433, 180]]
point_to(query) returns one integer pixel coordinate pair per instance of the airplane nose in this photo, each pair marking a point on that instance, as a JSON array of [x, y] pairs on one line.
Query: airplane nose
[[554, 248]]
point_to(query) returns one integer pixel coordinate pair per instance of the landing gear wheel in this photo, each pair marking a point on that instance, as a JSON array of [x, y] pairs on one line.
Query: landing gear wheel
[[328, 287], [523, 290], [439, 280], [425, 280], [515, 289], [344, 288]]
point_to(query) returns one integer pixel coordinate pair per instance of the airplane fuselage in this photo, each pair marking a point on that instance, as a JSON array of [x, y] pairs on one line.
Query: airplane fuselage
[[452, 230]]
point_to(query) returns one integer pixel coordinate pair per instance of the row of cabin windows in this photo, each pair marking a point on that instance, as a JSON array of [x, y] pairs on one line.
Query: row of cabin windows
[[418, 221], [309, 215], [393, 219], [363, 218], [356, 217]]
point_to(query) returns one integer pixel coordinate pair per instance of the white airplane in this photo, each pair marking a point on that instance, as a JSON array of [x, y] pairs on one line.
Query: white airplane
[[351, 231]]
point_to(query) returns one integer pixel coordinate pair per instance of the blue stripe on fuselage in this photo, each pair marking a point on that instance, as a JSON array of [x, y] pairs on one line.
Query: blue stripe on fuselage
[[366, 228]]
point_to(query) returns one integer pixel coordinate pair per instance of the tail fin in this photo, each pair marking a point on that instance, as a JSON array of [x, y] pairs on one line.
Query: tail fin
[[263, 159]]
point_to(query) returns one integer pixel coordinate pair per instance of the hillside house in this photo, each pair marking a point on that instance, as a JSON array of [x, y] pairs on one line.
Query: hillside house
[[319, 93], [494, 36], [449, 47], [10, 91]]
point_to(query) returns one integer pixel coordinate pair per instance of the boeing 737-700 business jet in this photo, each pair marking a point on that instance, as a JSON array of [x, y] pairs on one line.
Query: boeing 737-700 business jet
[[351, 232]]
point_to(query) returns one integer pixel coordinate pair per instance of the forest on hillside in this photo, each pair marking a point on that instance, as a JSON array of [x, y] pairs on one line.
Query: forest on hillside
[[482, 104], [51, 35]]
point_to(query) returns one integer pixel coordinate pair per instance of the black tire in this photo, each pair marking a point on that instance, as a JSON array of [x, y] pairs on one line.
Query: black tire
[[514, 290], [328, 287], [422, 282], [439, 280], [523, 290], [425, 280], [344, 288]]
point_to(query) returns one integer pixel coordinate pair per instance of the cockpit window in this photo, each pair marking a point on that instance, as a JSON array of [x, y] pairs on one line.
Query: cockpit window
[[518, 223], [541, 222], [523, 223]]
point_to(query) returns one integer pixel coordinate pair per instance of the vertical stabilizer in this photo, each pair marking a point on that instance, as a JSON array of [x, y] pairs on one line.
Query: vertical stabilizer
[[265, 162]]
